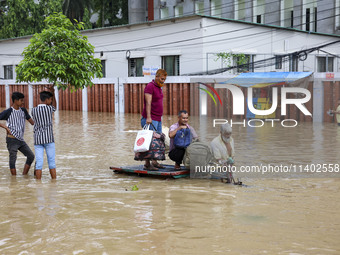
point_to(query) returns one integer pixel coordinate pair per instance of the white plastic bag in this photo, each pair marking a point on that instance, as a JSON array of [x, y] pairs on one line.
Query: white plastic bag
[[143, 139]]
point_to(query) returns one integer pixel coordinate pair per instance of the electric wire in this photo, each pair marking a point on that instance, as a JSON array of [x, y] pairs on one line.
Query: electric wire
[[302, 55]]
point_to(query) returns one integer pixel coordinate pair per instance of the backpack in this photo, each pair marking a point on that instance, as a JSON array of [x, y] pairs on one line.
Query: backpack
[[182, 138], [197, 154]]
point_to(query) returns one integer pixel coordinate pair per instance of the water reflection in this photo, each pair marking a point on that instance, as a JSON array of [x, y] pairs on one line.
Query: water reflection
[[90, 210], [46, 198]]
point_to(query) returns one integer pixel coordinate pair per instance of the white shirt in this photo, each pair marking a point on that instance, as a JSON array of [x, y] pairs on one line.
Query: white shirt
[[219, 149]]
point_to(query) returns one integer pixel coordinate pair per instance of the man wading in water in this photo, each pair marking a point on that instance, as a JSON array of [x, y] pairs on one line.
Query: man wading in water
[[153, 110]]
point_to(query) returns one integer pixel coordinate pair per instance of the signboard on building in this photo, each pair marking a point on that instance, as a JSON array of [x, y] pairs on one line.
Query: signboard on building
[[150, 70]]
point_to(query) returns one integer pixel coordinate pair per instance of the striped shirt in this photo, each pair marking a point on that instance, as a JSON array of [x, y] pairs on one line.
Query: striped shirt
[[16, 121], [43, 129]]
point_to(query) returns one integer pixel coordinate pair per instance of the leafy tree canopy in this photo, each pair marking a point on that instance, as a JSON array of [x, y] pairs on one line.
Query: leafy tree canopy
[[26, 17], [111, 12], [75, 9], [60, 55]]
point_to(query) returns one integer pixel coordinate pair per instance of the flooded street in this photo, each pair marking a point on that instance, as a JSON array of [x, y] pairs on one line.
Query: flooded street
[[91, 210]]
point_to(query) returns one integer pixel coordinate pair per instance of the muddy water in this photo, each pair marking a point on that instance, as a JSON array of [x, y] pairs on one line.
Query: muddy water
[[90, 210]]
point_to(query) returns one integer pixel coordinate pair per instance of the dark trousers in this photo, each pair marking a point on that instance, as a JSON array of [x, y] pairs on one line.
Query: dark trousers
[[177, 155], [13, 145]]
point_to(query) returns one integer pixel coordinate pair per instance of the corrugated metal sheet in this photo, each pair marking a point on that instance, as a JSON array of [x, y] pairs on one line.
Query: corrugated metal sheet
[[2, 96], [176, 97], [70, 101], [101, 98]]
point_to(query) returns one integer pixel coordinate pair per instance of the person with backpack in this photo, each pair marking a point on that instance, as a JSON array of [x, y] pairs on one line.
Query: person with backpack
[[181, 135]]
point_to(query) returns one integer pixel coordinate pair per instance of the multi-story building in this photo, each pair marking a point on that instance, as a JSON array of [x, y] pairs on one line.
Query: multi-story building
[[190, 45], [307, 15]]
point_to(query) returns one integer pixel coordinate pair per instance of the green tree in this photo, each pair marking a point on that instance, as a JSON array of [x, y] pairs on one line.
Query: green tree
[[16, 18], [60, 55], [75, 9], [44, 9], [228, 57], [86, 19], [113, 11], [25, 17]]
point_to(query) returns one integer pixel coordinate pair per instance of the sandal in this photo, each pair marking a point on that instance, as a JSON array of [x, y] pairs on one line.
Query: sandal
[[150, 168], [158, 166]]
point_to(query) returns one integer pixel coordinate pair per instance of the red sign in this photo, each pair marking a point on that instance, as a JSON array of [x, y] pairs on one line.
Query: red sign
[[329, 75]]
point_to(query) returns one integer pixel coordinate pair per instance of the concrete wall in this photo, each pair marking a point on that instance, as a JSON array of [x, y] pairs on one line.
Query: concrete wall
[[272, 16], [326, 19]]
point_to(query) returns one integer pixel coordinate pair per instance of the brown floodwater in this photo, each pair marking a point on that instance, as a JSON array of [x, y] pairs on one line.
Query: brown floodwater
[[91, 210]]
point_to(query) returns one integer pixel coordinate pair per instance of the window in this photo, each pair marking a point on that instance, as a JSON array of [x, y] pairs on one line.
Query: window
[[258, 19], [179, 11], [171, 65], [164, 11], [103, 68], [136, 67], [293, 63], [315, 19], [216, 8], [325, 64], [199, 8], [240, 9], [8, 72], [308, 19], [259, 9], [244, 63], [278, 62], [337, 14], [291, 18], [286, 14]]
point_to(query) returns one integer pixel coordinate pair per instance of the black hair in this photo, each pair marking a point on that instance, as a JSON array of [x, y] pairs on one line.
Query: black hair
[[17, 96], [182, 111], [45, 95]]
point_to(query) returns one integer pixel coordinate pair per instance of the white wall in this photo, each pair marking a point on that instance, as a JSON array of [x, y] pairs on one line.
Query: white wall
[[149, 41], [264, 42], [194, 39]]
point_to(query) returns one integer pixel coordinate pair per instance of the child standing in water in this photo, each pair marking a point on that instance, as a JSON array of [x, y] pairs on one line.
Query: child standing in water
[[16, 117], [43, 133]]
